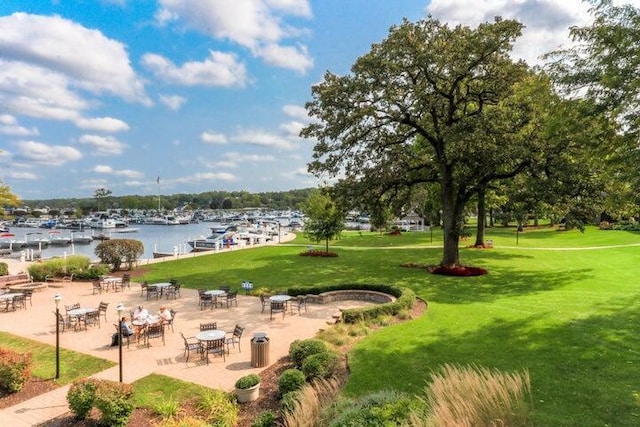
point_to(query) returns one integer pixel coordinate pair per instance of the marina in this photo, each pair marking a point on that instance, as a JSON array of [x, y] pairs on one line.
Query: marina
[[157, 240]]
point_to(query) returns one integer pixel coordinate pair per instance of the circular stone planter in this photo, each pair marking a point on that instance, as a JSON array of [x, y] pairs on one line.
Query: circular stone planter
[[248, 394]]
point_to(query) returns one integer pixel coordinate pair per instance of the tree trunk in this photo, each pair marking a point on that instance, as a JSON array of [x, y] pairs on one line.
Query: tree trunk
[[327, 245], [482, 213], [451, 222]]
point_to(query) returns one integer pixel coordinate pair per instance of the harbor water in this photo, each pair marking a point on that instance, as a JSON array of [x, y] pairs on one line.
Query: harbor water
[[155, 238]]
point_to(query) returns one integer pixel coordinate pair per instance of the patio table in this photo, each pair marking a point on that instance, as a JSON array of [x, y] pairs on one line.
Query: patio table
[[161, 286]]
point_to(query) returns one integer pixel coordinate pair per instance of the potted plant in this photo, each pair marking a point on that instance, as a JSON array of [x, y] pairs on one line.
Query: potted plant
[[248, 388]]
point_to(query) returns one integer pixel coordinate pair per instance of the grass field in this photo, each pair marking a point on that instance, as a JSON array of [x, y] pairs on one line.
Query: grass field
[[564, 305]]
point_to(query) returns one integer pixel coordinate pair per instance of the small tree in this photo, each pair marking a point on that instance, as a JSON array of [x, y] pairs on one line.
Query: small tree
[[324, 219], [115, 252]]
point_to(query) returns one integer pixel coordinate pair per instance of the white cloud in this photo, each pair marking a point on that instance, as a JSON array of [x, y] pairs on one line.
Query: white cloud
[[103, 124], [52, 155], [246, 157], [294, 58], [254, 24], [205, 177], [546, 22], [292, 129], [102, 145], [13, 174], [213, 138], [221, 69], [297, 112], [263, 139], [174, 102], [9, 126], [105, 169], [8, 119], [82, 57]]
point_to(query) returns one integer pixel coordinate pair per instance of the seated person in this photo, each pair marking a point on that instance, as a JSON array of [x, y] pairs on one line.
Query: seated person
[[140, 313], [125, 329], [165, 314]]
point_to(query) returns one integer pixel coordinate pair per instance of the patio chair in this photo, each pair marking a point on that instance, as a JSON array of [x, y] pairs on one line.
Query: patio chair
[[225, 288], [208, 326], [143, 288], [190, 345], [214, 347], [278, 307], [299, 302], [173, 318], [28, 294], [124, 336], [264, 300], [235, 338], [232, 297], [126, 281], [19, 301], [154, 331], [92, 318], [153, 291], [102, 309], [204, 299], [61, 322], [173, 291], [97, 287], [71, 307]]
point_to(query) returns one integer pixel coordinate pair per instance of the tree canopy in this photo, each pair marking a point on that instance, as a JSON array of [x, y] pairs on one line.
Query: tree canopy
[[324, 219], [429, 104]]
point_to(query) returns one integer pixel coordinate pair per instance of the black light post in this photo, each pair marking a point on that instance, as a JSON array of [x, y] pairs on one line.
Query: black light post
[[120, 309], [57, 299]]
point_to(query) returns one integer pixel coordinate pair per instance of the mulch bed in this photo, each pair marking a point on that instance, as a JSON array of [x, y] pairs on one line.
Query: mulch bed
[[268, 399]]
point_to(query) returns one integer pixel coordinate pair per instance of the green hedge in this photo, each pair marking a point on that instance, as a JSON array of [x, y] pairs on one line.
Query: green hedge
[[405, 298]]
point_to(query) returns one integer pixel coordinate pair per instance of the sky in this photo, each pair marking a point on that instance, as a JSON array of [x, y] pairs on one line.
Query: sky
[[186, 96]]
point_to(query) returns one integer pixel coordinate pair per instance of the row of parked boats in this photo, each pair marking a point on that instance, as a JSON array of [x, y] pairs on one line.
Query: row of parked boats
[[9, 241]]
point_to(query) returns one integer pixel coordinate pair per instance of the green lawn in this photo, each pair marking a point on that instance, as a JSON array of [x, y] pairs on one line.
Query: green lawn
[[569, 316], [73, 365]]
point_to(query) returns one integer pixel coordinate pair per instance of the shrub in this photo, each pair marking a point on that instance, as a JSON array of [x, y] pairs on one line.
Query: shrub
[[4, 269], [118, 251], [248, 381], [93, 272], [218, 408], [114, 401], [184, 422], [301, 349], [167, 409], [291, 380], [383, 408], [57, 267], [320, 365], [264, 419], [475, 396], [81, 397], [15, 370]]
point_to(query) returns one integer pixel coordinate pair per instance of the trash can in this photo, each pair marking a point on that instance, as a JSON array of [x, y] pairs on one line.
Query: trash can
[[259, 350]]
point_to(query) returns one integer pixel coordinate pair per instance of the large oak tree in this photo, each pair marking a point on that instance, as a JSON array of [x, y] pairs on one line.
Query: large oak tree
[[429, 104]]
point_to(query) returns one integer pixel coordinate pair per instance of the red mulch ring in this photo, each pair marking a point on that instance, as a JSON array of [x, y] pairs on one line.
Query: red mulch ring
[[453, 270]]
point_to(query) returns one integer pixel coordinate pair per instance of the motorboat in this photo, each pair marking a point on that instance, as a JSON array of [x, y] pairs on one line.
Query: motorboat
[[213, 242], [80, 238]]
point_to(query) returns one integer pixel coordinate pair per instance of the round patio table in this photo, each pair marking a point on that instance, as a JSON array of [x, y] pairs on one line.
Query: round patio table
[[212, 335], [79, 312], [215, 292], [280, 298], [10, 295]]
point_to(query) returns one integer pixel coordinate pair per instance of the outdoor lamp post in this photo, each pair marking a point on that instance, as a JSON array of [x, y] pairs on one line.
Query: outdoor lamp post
[[120, 309], [57, 299]]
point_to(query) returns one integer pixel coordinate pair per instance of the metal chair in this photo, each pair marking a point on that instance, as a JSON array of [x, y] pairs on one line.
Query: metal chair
[[190, 345], [278, 307], [92, 318], [173, 291], [61, 322], [235, 338], [204, 299], [153, 291], [102, 309], [97, 287], [143, 288], [299, 302], [154, 331], [173, 317], [28, 294], [232, 297], [214, 347], [264, 300], [124, 335], [208, 326], [126, 281]]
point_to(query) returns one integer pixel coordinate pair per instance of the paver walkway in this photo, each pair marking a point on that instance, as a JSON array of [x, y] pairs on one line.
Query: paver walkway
[[38, 323]]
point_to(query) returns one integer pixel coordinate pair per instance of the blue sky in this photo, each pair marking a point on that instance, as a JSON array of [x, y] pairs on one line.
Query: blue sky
[[205, 94]]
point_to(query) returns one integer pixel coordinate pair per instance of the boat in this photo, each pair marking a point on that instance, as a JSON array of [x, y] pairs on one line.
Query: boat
[[213, 242], [57, 239], [162, 254], [165, 220]]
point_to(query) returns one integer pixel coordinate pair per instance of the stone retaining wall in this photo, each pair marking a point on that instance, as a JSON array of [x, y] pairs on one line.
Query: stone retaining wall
[[350, 294]]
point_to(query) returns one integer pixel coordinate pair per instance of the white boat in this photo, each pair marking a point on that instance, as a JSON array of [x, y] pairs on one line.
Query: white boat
[[165, 220], [57, 239], [213, 242]]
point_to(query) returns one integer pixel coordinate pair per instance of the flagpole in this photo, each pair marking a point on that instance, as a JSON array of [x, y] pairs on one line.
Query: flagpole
[[158, 181]]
